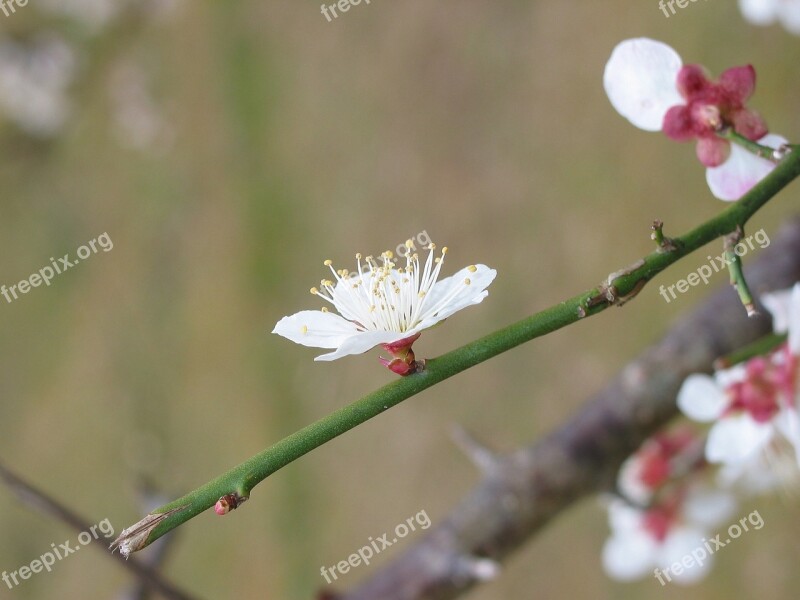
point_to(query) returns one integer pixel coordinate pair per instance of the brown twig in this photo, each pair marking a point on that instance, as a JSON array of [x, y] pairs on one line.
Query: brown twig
[[524, 490], [33, 497]]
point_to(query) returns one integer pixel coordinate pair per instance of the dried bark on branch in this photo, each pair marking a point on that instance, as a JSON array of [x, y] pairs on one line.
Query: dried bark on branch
[[521, 491]]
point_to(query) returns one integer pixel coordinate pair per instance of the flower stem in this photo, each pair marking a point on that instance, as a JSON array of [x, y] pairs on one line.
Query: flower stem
[[766, 344], [241, 479], [765, 152], [737, 275]]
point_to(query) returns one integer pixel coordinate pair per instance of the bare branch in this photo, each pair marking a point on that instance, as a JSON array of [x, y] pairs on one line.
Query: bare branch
[[524, 490]]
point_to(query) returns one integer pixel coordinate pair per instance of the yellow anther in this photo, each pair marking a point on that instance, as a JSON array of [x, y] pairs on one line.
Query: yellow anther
[[328, 263], [467, 281], [472, 268], [324, 309], [304, 329], [358, 255], [444, 250], [409, 244], [314, 290]]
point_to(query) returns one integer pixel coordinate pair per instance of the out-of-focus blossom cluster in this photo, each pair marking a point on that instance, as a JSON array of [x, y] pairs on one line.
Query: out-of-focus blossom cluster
[[679, 485], [667, 504], [38, 74]]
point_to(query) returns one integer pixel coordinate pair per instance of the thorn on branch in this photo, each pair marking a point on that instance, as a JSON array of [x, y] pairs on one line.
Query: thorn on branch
[[476, 569], [480, 455]]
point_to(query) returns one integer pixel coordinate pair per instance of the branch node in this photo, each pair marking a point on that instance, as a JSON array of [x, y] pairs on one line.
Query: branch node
[[665, 244], [229, 502]]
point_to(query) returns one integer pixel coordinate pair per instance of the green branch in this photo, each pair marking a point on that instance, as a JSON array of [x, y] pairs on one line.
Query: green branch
[[620, 286]]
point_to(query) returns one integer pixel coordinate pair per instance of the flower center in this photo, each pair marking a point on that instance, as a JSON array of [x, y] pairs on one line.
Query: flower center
[[380, 296], [768, 386]]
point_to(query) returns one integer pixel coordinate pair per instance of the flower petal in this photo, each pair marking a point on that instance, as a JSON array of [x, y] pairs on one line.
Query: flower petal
[[316, 328], [753, 476], [680, 543], [451, 294], [640, 81], [737, 175], [701, 398], [629, 556], [739, 82], [623, 517], [708, 506], [361, 342], [736, 438], [759, 12], [727, 377], [794, 320], [788, 422], [749, 123], [678, 124], [777, 303], [712, 151], [789, 13]]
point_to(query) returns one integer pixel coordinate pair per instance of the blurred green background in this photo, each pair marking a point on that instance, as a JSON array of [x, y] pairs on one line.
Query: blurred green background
[[227, 149]]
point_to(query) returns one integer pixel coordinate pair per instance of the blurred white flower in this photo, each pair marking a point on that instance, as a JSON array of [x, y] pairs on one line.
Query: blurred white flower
[[644, 539], [383, 304], [767, 12], [753, 406], [33, 81], [784, 306], [138, 121]]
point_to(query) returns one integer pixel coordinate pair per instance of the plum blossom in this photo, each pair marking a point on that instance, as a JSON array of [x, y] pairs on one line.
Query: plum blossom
[[646, 539], [753, 407], [647, 83], [665, 509], [34, 78], [767, 12], [658, 460], [384, 304]]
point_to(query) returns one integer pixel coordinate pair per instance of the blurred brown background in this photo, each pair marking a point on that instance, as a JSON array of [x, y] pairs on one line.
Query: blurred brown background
[[227, 149]]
